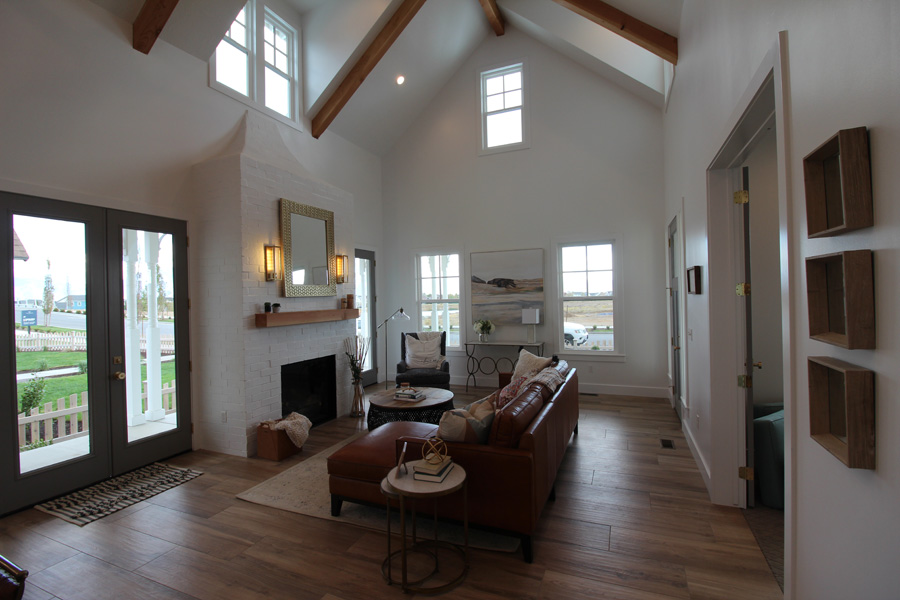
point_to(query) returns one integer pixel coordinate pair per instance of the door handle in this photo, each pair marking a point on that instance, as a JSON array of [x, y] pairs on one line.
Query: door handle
[[758, 365], [118, 375], [676, 348]]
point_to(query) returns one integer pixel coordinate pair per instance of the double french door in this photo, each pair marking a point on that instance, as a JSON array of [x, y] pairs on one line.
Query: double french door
[[94, 320]]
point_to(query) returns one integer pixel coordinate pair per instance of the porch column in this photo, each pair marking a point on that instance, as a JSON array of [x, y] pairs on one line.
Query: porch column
[[155, 410], [135, 412]]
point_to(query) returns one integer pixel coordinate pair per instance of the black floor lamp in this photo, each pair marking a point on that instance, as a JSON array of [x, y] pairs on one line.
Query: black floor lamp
[[398, 314]]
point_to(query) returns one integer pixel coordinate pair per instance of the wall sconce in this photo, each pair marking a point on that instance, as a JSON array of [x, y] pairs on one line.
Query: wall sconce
[[272, 259], [531, 316], [341, 264]]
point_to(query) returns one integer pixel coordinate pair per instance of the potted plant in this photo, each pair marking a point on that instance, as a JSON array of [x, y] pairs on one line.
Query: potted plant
[[484, 327]]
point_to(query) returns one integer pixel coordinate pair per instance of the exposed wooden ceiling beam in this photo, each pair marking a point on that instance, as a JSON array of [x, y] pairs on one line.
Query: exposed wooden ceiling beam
[[150, 22], [358, 73], [646, 36], [493, 15]]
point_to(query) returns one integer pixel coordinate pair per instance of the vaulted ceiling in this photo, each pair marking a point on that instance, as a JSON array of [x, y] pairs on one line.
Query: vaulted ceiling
[[353, 50]]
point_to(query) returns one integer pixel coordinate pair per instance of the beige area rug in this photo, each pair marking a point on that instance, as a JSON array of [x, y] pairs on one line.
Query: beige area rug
[[303, 489]]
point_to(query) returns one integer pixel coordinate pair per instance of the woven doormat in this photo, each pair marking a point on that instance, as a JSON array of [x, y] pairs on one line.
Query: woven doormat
[[107, 497]]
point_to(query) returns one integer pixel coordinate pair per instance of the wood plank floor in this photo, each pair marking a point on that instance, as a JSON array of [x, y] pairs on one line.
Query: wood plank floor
[[631, 520]]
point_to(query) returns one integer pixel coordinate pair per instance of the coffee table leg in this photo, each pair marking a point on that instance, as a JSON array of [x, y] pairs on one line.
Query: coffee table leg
[[403, 540]]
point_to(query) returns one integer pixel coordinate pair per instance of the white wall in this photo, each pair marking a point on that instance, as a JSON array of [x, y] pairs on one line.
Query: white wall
[[84, 117], [593, 169], [843, 72]]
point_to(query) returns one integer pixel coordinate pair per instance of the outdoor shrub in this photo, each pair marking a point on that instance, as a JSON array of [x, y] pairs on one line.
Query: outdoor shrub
[[43, 364], [33, 393], [35, 444], [82, 366]]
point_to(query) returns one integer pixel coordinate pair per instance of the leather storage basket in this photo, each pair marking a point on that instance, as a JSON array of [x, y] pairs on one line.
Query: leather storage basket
[[273, 444]]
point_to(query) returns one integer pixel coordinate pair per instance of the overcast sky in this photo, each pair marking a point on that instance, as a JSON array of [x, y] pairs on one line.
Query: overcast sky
[[63, 244]]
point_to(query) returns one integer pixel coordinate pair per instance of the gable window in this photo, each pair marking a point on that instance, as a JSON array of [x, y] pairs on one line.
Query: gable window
[[438, 295], [256, 62], [503, 110], [232, 63], [589, 297]]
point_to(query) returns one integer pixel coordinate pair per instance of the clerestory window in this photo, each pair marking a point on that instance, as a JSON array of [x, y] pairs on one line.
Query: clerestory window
[[257, 61], [504, 124]]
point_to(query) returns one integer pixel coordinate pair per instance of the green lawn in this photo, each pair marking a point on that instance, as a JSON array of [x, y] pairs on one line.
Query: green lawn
[[31, 361], [63, 387]]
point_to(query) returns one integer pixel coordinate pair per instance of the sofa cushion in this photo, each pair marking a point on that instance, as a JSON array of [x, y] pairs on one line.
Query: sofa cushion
[[471, 424], [549, 377], [514, 418], [529, 364], [508, 393]]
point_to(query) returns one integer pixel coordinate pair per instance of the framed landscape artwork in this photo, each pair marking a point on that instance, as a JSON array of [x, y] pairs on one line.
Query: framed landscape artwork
[[505, 282]]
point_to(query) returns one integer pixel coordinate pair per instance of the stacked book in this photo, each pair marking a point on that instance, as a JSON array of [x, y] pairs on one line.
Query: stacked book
[[426, 471], [408, 394]]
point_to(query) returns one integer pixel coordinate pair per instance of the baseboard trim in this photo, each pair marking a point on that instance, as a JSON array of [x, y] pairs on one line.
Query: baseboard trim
[[623, 390], [702, 465]]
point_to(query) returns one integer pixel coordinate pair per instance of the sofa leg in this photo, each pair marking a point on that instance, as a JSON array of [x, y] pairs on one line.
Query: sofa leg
[[336, 503], [552, 497], [576, 428], [527, 549]]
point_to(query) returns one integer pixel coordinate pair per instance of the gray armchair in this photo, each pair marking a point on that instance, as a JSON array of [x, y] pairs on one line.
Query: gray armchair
[[435, 378]]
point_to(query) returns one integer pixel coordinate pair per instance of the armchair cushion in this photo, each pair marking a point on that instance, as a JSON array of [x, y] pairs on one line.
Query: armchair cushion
[[423, 353]]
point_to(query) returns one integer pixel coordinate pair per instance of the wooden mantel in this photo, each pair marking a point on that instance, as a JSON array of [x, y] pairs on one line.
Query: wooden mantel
[[301, 317]]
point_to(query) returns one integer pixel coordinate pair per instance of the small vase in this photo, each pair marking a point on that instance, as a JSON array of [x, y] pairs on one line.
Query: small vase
[[482, 337], [356, 409]]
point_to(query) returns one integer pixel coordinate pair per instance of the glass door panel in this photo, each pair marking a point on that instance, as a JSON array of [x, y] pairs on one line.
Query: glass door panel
[[364, 268], [54, 416], [50, 278], [148, 338], [149, 325]]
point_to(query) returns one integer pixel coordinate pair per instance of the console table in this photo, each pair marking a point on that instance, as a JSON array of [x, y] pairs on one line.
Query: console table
[[476, 365]]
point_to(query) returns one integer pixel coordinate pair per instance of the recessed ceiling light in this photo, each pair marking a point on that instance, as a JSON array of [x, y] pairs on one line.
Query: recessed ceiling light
[[400, 79]]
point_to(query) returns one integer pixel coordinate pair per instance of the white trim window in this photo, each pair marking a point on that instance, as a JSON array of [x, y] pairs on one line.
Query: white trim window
[[231, 62], [438, 295], [589, 297], [504, 122], [257, 61]]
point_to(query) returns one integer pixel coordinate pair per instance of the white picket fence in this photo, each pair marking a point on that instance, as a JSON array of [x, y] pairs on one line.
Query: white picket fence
[[75, 410], [75, 341]]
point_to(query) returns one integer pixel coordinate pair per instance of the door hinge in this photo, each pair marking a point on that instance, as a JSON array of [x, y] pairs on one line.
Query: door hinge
[[670, 242], [741, 197], [746, 473], [742, 289], [745, 381]]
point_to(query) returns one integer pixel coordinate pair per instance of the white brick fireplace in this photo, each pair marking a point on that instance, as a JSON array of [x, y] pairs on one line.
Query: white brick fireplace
[[236, 378]]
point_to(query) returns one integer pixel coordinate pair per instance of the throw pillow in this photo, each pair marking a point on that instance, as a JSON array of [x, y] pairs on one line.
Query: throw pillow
[[423, 354], [471, 424], [529, 364], [509, 391]]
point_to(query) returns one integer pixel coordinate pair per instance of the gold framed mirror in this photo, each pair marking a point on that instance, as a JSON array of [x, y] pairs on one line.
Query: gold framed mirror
[[307, 234]]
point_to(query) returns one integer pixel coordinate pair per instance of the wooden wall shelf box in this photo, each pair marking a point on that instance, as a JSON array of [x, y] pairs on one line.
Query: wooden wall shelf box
[[838, 181], [841, 295], [302, 317], [842, 410]]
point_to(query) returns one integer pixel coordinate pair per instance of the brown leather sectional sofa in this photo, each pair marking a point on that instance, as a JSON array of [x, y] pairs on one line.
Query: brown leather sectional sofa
[[510, 478]]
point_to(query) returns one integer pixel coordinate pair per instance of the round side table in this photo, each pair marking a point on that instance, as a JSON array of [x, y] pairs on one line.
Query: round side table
[[403, 485]]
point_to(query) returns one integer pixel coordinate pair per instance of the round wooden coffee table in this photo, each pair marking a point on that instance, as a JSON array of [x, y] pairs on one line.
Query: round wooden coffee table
[[384, 409]]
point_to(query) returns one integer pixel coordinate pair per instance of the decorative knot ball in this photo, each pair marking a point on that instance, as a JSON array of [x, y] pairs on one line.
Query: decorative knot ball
[[434, 451]]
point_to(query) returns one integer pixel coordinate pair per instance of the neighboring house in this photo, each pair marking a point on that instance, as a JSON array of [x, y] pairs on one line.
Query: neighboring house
[[603, 162], [72, 302]]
